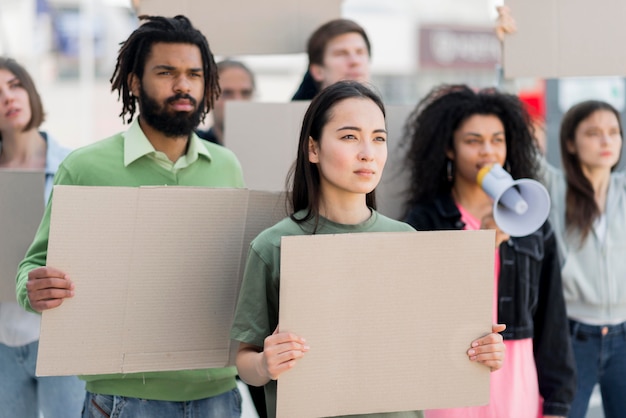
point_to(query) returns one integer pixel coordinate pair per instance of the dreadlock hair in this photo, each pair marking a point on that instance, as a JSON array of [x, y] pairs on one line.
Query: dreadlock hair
[[581, 209], [429, 134], [135, 50]]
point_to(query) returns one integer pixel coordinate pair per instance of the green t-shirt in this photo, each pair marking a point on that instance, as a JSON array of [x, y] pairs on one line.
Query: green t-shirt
[[256, 316], [128, 159]]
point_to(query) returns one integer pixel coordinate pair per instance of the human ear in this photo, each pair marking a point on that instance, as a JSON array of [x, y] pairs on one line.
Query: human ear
[[450, 154], [313, 151], [133, 84], [571, 147], [317, 72]]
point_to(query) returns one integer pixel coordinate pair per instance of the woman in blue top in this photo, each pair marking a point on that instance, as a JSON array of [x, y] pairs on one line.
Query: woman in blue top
[[23, 146], [340, 160]]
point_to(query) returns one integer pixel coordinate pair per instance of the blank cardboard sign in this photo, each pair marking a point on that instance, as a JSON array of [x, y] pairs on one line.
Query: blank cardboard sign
[[21, 209], [264, 136], [157, 272], [388, 319], [557, 38], [391, 192], [237, 27]]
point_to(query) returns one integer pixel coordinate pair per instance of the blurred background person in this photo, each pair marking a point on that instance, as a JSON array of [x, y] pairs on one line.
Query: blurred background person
[[337, 50], [236, 83], [589, 217], [23, 146]]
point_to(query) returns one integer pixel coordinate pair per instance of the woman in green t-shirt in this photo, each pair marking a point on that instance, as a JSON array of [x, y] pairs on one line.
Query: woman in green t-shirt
[[340, 160]]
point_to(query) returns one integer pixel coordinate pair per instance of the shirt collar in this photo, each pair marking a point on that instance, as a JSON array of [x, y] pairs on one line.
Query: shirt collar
[[137, 145]]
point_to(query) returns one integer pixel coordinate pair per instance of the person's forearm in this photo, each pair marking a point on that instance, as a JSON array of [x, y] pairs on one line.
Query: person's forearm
[[249, 366]]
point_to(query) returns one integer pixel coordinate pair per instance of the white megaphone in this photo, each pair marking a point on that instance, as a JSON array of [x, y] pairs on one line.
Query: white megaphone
[[520, 207]]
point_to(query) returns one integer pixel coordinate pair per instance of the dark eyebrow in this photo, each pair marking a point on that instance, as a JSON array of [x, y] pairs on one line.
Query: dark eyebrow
[[163, 67], [479, 135], [354, 128], [172, 68]]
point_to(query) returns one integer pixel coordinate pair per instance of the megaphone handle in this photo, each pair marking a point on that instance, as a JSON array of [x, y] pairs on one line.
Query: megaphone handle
[[513, 200]]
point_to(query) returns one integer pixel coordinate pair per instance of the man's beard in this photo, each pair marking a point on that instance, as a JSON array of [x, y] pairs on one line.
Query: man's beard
[[171, 124]]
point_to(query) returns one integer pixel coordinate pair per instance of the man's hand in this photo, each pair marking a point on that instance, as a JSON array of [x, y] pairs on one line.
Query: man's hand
[[47, 287]]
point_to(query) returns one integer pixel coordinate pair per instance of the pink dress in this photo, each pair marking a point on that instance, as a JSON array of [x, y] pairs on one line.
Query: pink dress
[[514, 390]]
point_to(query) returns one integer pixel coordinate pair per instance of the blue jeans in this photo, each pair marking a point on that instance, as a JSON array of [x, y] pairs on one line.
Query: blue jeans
[[226, 405], [600, 353], [24, 395]]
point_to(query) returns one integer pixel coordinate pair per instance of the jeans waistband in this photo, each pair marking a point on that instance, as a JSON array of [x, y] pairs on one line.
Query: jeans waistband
[[603, 330]]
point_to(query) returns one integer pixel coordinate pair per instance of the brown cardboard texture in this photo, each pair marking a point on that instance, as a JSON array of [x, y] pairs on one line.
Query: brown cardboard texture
[[237, 27], [21, 209], [550, 43], [264, 210], [391, 191], [388, 318], [265, 138], [157, 272]]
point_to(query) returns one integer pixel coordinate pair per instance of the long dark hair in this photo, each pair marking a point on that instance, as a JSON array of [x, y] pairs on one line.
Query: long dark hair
[[134, 51], [429, 133], [37, 115], [304, 176], [581, 209]]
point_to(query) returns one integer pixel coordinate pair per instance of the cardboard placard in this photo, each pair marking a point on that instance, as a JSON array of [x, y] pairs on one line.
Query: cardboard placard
[[21, 209], [391, 192], [265, 138], [157, 272], [388, 318], [239, 27], [557, 38]]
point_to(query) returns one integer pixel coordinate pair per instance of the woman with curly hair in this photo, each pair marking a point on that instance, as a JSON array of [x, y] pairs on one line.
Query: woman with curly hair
[[451, 135]]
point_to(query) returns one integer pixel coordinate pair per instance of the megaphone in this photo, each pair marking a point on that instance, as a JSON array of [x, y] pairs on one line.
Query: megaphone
[[521, 206]]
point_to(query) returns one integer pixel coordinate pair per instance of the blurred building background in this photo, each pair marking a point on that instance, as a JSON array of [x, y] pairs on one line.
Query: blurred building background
[[70, 47]]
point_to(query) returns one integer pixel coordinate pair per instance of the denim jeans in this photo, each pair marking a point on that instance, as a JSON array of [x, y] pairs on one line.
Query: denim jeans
[[226, 405], [600, 354], [24, 395]]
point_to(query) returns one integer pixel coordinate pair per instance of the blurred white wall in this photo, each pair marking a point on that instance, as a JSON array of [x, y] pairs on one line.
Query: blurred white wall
[[81, 109]]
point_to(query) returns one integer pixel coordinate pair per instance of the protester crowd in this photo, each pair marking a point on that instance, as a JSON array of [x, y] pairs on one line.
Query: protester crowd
[[559, 304]]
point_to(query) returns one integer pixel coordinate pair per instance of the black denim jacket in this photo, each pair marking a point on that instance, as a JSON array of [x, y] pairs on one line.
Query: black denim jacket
[[530, 299]]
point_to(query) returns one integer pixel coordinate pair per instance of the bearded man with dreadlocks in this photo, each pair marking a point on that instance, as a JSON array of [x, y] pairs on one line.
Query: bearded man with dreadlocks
[[166, 69]]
